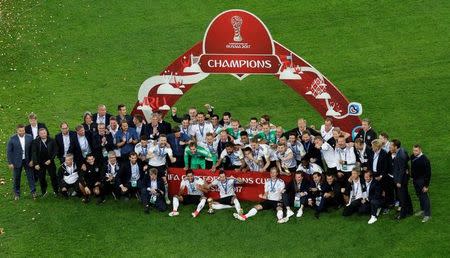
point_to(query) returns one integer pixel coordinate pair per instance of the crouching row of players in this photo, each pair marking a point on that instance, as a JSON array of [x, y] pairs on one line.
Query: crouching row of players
[[131, 179], [365, 195]]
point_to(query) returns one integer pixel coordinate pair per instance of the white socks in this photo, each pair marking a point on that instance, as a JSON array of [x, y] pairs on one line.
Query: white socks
[[237, 205], [201, 205], [166, 194], [251, 213], [279, 214], [176, 203], [218, 206]]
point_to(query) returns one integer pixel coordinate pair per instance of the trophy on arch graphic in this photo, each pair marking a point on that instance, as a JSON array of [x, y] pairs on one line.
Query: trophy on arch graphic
[[236, 21]]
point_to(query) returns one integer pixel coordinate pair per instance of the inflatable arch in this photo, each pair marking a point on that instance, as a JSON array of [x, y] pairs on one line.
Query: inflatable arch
[[237, 42]]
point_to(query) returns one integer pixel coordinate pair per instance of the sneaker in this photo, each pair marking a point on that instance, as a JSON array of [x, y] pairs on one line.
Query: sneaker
[[397, 204], [239, 217], [74, 193], [34, 195], [289, 213], [16, 197], [299, 213], [283, 220], [174, 213], [44, 194], [211, 211], [372, 220], [426, 219], [167, 201], [195, 214], [114, 195], [418, 214]]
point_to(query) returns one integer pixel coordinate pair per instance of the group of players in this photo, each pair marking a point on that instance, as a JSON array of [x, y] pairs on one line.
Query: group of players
[[126, 157]]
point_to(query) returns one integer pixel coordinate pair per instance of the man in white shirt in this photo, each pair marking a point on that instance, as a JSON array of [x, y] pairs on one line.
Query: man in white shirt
[[68, 175], [110, 173], [196, 189], [228, 198], [356, 193], [230, 158], [328, 154], [260, 152], [296, 147], [326, 130], [201, 128], [273, 190], [157, 159], [286, 162]]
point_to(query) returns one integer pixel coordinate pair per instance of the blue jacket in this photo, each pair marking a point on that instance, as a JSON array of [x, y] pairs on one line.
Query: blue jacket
[[14, 150]]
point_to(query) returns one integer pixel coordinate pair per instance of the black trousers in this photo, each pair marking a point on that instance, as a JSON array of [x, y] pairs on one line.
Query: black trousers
[[352, 208], [41, 176], [388, 186], [159, 204], [370, 207], [405, 200], [424, 200]]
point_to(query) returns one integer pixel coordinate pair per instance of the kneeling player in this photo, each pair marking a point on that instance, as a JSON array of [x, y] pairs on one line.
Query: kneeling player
[[196, 190], [153, 191], [227, 193], [273, 188], [90, 179], [68, 175]]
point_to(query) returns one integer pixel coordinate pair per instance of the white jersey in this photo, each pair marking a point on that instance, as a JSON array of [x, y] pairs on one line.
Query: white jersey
[[225, 188], [326, 135], [286, 163], [142, 151], [70, 174], [298, 149], [348, 155], [235, 157], [262, 152], [191, 186], [311, 169], [186, 130], [274, 189], [255, 164], [200, 131], [158, 155], [328, 154], [252, 132]]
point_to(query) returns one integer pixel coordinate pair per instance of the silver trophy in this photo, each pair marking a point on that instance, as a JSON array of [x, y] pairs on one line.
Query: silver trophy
[[236, 21]]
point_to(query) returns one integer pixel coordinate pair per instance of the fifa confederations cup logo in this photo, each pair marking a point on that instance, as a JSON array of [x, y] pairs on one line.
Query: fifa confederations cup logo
[[236, 21]]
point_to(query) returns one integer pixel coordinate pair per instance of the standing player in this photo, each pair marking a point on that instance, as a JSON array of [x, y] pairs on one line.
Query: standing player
[[273, 189], [196, 190], [157, 159], [228, 197]]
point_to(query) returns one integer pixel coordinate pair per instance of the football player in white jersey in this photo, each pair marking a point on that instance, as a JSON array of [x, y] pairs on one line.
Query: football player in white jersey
[[157, 159], [201, 128], [227, 193], [286, 162], [273, 190], [195, 188]]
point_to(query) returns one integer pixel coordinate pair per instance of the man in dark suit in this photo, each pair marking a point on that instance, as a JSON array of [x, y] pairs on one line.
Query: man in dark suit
[[380, 164], [43, 153], [165, 127], [301, 128], [82, 145], [101, 116], [102, 143], [363, 154], [367, 133], [18, 153], [65, 141], [296, 195], [130, 176], [372, 197], [33, 128], [401, 178], [122, 115], [153, 191], [312, 153], [421, 174], [141, 128]]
